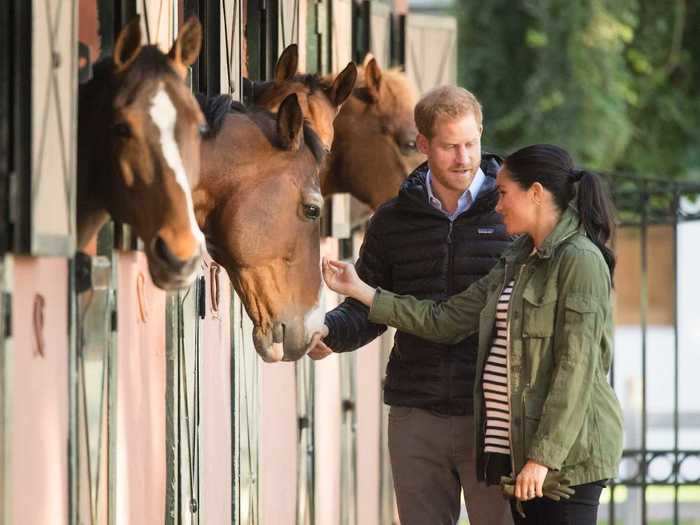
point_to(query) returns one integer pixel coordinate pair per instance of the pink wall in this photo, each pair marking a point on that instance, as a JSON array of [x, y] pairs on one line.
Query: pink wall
[[141, 380], [369, 402], [38, 391], [215, 404], [278, 447], [328, 420]]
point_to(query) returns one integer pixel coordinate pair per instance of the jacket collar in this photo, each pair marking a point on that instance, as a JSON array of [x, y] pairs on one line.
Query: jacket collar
[[569, 224], [414, 194]]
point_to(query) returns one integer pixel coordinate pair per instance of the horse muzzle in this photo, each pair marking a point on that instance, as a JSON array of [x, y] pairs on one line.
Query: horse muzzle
[[168, 271], [285, 341]]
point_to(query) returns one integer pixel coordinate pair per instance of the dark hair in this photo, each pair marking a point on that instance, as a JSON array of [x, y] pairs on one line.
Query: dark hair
[[553, 167]]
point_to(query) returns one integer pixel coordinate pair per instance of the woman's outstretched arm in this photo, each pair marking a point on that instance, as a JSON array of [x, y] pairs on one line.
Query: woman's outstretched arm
[[447, 321]]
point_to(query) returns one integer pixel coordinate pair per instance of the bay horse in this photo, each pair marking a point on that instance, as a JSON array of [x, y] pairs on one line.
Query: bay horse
[[259, 203], [320, 98], [374, 148], [138, 151], [373, 140]]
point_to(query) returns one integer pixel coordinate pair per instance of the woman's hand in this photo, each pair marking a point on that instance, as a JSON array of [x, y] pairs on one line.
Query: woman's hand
[[528, 484], [342, 278]]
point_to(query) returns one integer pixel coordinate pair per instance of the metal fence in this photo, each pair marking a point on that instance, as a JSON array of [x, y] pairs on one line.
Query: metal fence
[[657, 353]]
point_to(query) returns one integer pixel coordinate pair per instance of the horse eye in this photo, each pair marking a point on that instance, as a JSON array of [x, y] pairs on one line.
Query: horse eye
[[410, 145], [312, 212], [122, 129]]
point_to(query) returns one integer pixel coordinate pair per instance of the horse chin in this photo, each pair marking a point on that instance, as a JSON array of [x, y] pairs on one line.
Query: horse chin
[[168, 280], [269, 351]]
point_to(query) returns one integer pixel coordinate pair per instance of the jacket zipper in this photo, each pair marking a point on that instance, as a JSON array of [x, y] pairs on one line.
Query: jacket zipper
[[450, 286], [510, 407]]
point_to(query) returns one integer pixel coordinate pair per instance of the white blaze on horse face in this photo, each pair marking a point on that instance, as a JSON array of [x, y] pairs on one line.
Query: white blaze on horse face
[[164, 116]]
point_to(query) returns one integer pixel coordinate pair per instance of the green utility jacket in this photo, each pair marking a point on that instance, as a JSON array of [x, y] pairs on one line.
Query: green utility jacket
[[564, 414]]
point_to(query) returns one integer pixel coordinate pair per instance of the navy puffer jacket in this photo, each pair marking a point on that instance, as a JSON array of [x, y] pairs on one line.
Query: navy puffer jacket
[[412, 248]]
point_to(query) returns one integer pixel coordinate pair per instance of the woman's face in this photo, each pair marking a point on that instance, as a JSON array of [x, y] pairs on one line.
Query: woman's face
[[516, 205]]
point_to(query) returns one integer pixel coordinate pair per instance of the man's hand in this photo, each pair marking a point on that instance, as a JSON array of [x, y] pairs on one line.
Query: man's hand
[[317, 348]]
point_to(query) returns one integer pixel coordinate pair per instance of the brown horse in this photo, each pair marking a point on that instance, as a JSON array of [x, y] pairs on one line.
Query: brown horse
[[374, 148], [319, 98], [259, 204], [139, 138], [374, 135]]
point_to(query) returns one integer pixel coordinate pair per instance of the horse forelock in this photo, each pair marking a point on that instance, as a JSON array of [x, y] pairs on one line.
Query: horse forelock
[[396, 90], [150, 66]]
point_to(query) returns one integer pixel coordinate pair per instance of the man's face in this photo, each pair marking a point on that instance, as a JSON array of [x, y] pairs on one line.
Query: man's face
[[454, 151]]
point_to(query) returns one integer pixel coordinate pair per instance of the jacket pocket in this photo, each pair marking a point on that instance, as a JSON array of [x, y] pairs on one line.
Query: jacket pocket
[[578, 313], [538, 314]]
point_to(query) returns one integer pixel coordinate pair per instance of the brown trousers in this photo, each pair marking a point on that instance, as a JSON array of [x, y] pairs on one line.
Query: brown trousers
[[432, 461]]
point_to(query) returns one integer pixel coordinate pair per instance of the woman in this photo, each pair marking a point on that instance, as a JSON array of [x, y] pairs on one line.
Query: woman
[[542, 400]]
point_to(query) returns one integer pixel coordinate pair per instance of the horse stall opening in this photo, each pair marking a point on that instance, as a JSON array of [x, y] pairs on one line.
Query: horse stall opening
[[124, 403], [38, 236]]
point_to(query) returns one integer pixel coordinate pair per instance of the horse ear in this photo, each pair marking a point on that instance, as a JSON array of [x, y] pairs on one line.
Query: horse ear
[[373, 78], [343, 85], [290, 123], [186, 47], [287, 64], [368, 57], [128, 43]]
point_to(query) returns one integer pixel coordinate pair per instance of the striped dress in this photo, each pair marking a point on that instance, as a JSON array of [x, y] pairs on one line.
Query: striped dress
[[495, 382]]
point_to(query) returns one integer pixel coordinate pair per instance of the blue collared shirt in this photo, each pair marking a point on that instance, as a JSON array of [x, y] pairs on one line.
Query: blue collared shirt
[[465, 200]]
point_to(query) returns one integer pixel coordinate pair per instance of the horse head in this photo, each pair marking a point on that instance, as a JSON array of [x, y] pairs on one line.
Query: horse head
[[374, 148], [139, 140], [259, 204], [319, 99]]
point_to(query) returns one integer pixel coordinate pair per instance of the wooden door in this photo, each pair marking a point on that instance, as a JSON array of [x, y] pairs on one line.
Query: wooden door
[[43, 174], [431, 50]]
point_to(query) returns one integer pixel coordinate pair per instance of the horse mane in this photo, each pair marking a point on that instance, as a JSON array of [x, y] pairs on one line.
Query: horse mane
[[216, 107]]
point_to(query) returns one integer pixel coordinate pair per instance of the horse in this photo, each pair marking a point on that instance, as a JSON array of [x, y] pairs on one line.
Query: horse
[[320, 98], [374, 148], [374, 135], [138, 151], [259, 205]]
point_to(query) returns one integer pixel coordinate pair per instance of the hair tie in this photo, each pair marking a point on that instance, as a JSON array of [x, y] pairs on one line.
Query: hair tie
[[576, 174]]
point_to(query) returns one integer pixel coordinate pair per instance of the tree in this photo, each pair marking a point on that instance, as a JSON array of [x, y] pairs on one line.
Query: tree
[[613, 81]]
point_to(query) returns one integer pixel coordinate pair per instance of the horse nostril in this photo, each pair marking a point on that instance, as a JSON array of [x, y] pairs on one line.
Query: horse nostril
[[162, 251]]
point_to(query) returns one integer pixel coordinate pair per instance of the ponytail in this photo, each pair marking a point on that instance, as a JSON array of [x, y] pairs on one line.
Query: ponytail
[[596, 212]]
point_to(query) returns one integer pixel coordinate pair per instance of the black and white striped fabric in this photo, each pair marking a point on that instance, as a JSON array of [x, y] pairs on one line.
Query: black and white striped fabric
[[495, 381]]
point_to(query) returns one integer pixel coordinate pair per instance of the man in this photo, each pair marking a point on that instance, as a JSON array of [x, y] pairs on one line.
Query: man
[[439, 235]]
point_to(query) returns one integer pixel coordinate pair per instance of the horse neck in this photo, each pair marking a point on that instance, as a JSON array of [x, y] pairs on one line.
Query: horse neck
[[332, 171]]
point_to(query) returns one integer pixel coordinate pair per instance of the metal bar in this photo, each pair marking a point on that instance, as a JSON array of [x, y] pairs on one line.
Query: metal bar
[[172, 421], [22, 95], [6, 57], [644, 292], [676, 200]]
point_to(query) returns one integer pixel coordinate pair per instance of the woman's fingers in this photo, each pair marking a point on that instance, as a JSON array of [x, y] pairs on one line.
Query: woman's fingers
[[526, 488]]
